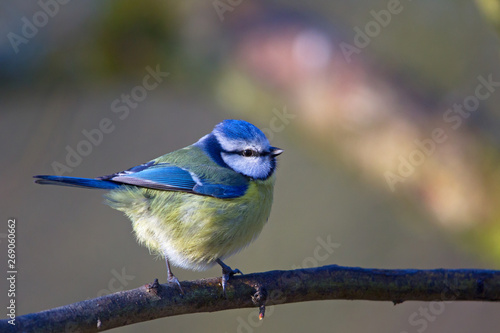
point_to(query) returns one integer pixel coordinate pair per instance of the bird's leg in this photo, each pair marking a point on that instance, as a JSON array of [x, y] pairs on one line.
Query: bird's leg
[[227, 272], [171, 277]]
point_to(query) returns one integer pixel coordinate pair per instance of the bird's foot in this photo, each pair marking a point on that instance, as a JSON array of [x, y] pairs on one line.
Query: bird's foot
[[174, 280], [171, 277], [227, 272]]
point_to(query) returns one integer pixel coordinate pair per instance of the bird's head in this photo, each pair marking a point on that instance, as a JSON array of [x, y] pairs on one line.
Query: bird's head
[[243, 147]]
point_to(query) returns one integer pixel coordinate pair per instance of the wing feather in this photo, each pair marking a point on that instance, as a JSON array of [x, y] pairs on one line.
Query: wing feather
[[169, 177]]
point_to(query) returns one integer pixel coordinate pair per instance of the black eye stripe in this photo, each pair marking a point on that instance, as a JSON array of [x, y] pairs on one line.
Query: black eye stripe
[[254, 153]]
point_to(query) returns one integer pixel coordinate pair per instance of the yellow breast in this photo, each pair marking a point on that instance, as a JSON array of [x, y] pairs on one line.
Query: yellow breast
[[193, 230]]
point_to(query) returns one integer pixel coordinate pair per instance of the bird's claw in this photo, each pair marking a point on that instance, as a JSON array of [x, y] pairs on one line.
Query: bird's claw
[[227, 272], [174, 280]]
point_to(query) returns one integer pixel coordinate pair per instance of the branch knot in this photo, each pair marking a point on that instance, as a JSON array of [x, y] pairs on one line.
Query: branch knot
[[259, 299]]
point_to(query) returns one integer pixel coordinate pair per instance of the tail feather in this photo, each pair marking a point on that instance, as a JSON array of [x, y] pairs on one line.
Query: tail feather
[[76, 182]]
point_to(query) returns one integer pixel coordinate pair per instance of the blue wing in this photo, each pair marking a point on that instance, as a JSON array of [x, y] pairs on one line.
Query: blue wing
[[168, 177]]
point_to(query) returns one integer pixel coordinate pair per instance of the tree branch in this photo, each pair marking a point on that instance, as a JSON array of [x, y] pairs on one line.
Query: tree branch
[[269, 288]]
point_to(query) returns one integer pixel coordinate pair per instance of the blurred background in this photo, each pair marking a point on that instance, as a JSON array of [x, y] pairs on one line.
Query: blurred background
[[387, 111]]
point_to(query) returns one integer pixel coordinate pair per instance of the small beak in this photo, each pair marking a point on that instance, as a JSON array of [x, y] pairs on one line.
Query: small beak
[[276, 151]]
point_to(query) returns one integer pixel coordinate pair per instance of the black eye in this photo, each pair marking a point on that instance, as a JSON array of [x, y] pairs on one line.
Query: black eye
[[249, 153]]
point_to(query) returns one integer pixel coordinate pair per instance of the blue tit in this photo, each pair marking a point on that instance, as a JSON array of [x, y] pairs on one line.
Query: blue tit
[[197, 205]]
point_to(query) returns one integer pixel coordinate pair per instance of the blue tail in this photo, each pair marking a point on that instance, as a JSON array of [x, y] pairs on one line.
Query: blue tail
[[76, 182]]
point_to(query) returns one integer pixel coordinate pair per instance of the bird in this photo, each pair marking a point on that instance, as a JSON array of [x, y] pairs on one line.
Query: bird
[[198, 205]]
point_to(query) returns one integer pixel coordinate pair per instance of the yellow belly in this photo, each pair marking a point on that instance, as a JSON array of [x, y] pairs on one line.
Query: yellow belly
[[192, 230]]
